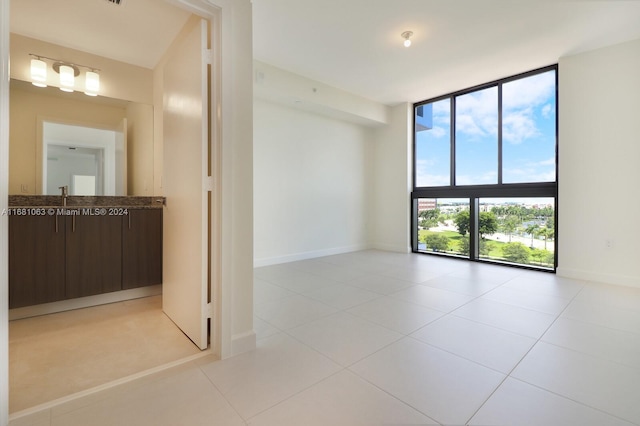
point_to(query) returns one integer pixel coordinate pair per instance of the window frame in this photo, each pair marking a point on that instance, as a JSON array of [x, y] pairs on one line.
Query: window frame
[[475, 192]]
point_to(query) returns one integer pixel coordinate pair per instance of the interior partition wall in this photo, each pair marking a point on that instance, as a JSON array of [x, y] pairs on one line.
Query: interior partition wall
[[485, 172]]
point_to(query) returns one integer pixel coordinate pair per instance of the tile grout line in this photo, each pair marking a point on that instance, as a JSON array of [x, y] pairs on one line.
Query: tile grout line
[[508, 375]]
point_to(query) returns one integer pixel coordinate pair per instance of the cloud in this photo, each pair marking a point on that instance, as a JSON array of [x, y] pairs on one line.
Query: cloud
[[477, 113], [527, 92], [432, 180], [529, 174], [549, 162], [425, 178], [442, 108], [519, 126], [468, 125], [489, 177], [531, 171], [438, 132]]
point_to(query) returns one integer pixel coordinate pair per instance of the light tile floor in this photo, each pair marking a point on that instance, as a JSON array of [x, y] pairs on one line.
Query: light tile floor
[[377, 338], [53, 356]]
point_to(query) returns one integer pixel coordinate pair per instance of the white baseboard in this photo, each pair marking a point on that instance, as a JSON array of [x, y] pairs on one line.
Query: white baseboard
[[84, 302], [307, 255], [243, 342], [624, 280]]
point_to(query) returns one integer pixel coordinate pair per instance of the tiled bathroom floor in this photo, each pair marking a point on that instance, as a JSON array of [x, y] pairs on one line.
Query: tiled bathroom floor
[[373, 338], [52, 356]]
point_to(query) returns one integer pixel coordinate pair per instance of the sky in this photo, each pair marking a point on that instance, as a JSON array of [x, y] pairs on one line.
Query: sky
[[528, 136]]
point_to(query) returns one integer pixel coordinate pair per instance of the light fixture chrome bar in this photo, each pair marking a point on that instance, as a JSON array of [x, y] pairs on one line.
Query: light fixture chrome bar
[[61, 62]]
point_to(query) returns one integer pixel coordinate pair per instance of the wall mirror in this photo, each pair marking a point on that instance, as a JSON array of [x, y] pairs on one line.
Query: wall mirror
[[87, 160], [93, 145]]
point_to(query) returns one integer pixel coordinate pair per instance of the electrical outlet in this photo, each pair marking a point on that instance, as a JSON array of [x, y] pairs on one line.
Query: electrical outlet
[[608, 243], [24, 188]]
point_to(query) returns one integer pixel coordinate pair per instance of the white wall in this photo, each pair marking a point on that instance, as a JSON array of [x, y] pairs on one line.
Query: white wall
[[599, 150], [286, 88], [140, 155], [312, 187], [392, 182]]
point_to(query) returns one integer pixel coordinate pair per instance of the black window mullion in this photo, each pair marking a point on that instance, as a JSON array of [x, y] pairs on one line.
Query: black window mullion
[[452, 139], [474, 237], [500, 134], [414, 149]]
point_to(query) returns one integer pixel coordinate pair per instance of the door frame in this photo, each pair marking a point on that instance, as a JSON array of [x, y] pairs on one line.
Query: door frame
[[4, 220]]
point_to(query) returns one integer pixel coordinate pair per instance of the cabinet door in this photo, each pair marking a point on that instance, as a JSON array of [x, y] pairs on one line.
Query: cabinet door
[[36, 260], [141, 248], [94, 255]]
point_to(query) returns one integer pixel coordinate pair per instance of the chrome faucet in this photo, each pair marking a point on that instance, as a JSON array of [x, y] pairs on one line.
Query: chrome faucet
[[65, 193]]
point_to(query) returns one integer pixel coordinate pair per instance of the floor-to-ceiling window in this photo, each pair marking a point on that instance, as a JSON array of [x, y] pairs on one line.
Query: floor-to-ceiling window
[[484, 172]]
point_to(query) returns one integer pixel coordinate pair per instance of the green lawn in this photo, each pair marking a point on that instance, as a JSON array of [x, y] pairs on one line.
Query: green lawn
[[495, 247], [454, 238]]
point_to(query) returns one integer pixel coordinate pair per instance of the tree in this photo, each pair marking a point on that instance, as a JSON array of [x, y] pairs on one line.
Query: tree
[[463, 245], [546, 233], [487, 224], [532, 230], [484, 247], [429, 218], [538, 255], [437, 242], [549, 258], [551, 222], [516, 252], [509, 225], [462, 222]]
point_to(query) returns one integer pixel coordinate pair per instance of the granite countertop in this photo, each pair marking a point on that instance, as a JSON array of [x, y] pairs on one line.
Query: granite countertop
[[86, 201]]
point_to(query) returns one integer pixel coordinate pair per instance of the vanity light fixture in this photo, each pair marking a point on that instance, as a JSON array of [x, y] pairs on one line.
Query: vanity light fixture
[[68, 73], [38, 72], [91, 83], [407, 38]]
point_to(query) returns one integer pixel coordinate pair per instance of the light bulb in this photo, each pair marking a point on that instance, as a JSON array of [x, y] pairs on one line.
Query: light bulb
[[67, 78], [91, 83], [38, 73], [407, 38]]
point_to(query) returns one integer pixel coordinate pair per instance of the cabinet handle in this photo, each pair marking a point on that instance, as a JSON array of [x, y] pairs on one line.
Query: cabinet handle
[[73, 223], [56, 224], [129, 217]]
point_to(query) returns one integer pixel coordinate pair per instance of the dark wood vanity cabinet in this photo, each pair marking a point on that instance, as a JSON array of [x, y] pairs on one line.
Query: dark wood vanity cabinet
[[141, 248], [36, 260], [93, 255], [58, 257]]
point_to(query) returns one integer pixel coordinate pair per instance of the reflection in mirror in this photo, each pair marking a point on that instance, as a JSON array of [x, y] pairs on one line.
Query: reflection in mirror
[[88, 161]]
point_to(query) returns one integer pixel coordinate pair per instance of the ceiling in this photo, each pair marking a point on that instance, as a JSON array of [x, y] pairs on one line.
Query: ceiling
[[355, 45], [137, 32]]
